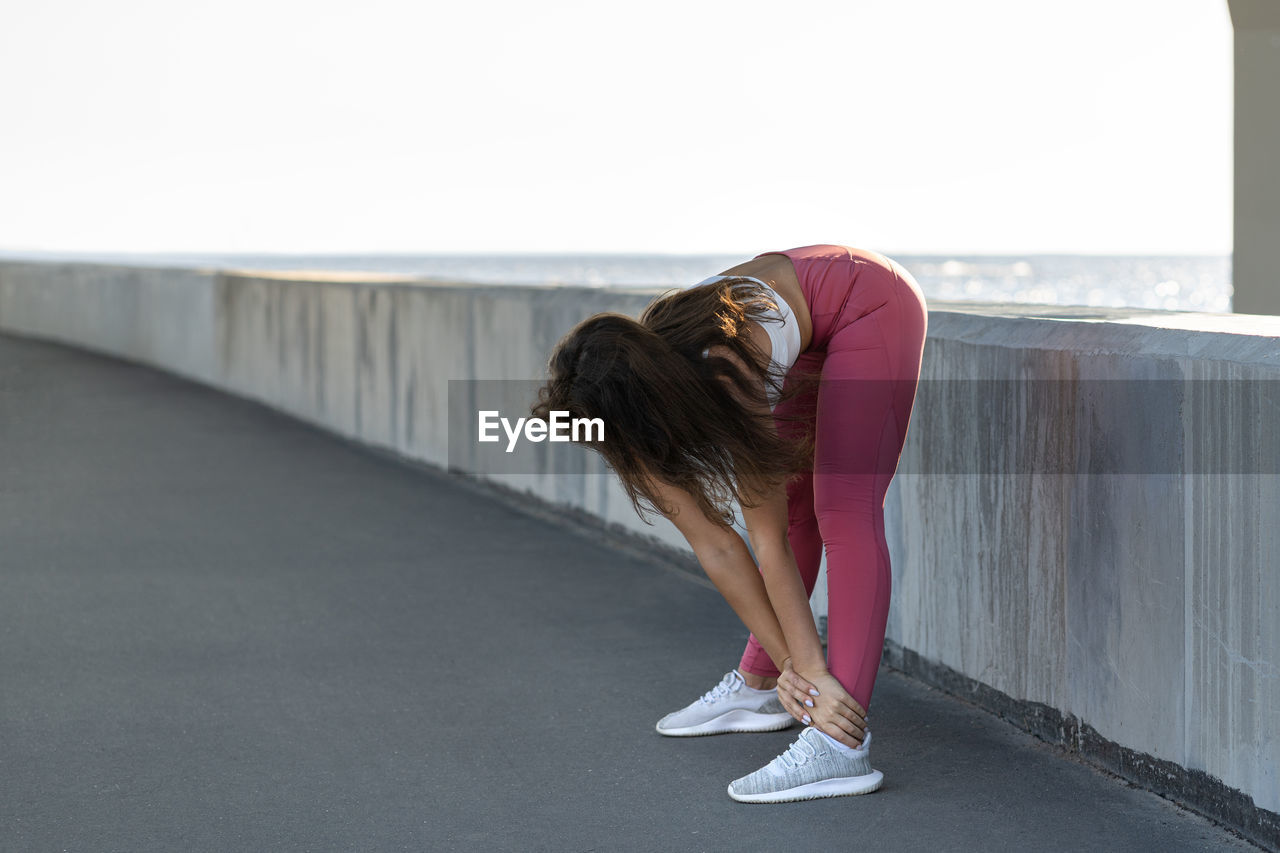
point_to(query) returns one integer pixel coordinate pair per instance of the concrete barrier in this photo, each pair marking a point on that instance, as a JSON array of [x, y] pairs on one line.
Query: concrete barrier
[[1103, 574], [1133, 606]]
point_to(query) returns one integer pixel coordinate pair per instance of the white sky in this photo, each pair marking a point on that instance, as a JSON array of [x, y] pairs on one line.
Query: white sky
[[282, 126]]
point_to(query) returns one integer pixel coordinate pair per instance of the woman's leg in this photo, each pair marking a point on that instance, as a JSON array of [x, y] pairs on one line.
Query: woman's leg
[[864, 405], [802, 527]]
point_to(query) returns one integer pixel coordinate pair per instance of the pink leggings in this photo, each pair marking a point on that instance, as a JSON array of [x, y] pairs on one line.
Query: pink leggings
[[869, 322]]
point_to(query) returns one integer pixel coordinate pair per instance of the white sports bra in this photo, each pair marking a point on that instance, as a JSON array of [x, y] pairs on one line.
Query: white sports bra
[[784, 335]]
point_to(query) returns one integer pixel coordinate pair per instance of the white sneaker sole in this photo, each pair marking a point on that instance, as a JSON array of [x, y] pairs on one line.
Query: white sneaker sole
[[843, 787], [737, 720]]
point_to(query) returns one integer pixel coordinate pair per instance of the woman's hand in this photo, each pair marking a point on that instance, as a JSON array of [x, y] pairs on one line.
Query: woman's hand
[[822, 702], [795, 693]]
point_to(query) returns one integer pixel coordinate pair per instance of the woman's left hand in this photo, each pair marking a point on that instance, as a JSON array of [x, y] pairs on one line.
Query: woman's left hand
[[795, 693], [823, 703]]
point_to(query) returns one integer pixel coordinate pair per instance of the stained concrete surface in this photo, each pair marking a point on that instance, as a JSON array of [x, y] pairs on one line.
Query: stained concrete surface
[[223, 629]]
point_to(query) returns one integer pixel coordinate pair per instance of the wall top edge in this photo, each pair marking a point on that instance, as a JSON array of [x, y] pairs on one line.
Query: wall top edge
[[1261, 325], [22, 263], [322, 276], [1241, 339]]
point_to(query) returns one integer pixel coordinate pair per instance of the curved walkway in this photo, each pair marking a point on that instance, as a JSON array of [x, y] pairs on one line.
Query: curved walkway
[[223, 629]]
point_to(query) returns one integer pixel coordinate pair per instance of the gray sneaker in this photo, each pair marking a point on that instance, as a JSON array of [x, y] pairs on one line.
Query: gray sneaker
[[727, 707], [810, 768]]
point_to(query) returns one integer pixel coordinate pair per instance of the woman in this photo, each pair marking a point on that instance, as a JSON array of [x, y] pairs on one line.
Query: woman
[[785, 383]]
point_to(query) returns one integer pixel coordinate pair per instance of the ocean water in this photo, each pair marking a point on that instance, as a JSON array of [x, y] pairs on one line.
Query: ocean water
[[1172, 282]]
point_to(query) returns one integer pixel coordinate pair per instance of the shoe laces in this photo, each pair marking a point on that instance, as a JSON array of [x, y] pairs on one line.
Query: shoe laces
[[728, 684], [797, 754]]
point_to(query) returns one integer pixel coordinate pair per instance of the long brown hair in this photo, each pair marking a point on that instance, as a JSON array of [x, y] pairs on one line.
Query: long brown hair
[[670, 413]]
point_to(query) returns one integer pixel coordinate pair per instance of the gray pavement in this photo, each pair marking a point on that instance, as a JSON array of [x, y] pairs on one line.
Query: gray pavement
[[222, 629]]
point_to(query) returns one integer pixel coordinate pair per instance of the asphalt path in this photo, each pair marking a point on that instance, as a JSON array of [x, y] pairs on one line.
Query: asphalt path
[[224, 629]]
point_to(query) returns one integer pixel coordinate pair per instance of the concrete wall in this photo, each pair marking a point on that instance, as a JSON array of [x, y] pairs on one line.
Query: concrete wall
[[1142, 597]]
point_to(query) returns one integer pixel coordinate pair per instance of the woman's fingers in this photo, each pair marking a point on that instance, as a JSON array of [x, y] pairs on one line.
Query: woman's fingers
[[798, 683], [851, 727], [797, 688], [850, 709], [848, 732], [794, 708], [798, 696], [850, 719], [843, 712], [809, 691], [846, 705], [792, 701], [838, 732]]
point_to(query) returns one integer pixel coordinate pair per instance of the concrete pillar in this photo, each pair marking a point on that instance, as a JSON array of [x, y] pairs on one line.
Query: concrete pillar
[[1256, 254]]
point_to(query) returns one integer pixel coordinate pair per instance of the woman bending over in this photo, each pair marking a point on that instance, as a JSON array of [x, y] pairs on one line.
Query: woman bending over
[[784, 384]]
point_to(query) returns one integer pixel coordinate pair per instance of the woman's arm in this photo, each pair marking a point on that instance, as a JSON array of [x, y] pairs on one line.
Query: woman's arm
[[727, 563], [736, 577], [767, 527]]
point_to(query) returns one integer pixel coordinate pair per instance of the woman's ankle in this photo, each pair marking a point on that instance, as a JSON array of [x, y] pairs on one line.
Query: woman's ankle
[[758, 682]]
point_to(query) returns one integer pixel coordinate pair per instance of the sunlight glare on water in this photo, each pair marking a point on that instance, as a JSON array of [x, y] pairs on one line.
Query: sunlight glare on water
[[1183, 283]]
